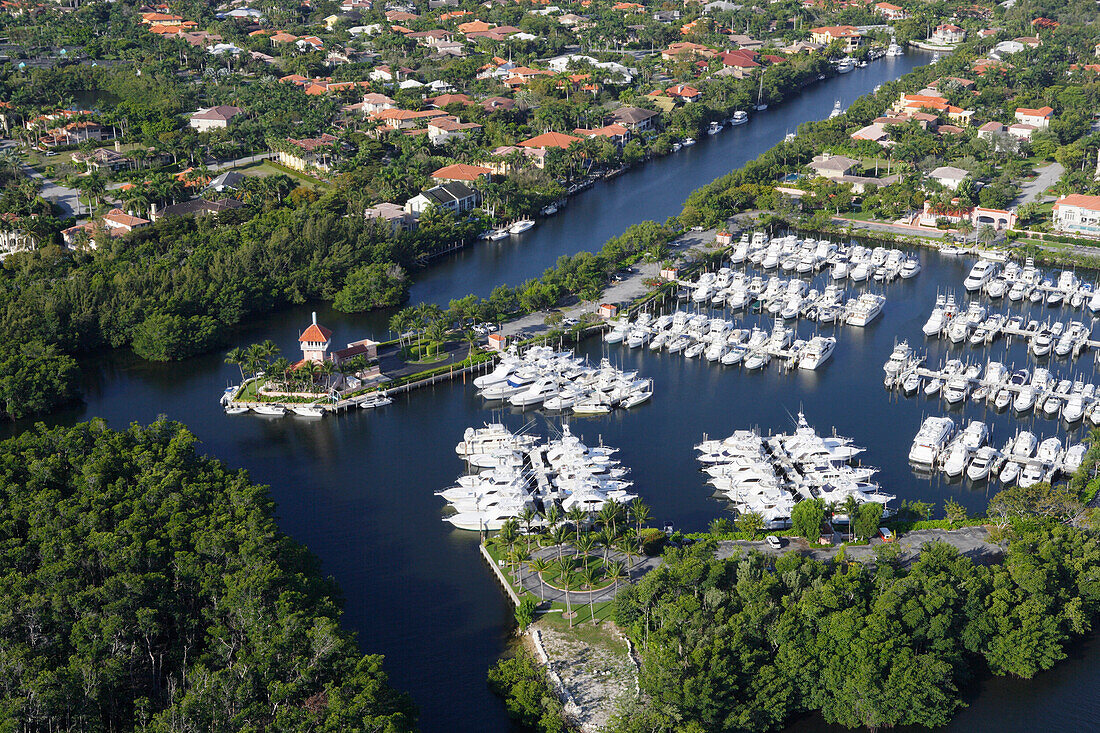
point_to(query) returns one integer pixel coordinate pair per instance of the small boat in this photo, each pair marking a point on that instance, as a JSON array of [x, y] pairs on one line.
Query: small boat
[[688, 142], [375, 399], [592, 407], [715, 128], [498, 234], [838, 110], [521, 226], [550, 210], [308, 410], [845, 65], [236, 410], [740, 117], [270, 410]]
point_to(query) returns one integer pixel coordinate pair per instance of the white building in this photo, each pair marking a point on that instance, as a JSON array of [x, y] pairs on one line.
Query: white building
[[1078, 213], [213, 118]]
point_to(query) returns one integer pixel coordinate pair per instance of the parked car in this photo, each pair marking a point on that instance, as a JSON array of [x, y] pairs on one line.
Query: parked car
[[886, 534], [773, 542]]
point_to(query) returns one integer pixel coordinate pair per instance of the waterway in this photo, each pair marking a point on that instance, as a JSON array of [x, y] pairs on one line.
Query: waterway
[[357, 489]]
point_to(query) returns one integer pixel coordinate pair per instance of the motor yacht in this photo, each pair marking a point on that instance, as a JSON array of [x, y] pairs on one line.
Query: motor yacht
[[816, 352], [930, 440], [308, 410], [979, 275], [269, 410], [864, 309], [982, 463]]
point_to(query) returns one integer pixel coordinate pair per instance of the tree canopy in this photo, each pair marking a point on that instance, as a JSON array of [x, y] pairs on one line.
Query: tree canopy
[[146, 586]]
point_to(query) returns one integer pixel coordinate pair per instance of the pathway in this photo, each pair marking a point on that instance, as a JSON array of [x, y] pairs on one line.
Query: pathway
[[1033, 190], [532, 583]]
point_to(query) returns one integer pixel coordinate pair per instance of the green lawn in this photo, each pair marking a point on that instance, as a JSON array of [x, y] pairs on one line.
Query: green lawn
[[270, 168]]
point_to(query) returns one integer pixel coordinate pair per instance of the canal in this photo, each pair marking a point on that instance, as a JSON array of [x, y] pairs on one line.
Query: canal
[[358, 489]]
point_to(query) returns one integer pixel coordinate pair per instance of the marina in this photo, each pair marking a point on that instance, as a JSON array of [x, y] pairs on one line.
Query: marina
[[376, 525]]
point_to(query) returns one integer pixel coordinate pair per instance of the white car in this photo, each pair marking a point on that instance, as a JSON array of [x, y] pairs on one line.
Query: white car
[[773, 542]]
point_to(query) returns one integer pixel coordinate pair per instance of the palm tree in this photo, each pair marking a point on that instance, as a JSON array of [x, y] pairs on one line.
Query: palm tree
[[987, 234], [640, 513], [584, 546], [607, 539], [965, 228], [540, 565], [615, 572], [507, 537], [590, 577], [236, 357], [559, 535], [270, 348], [577, 516], [281, 366], [608, 513], [527, 516], [553, 515], [850, 508], [520, 555], [567, 582]]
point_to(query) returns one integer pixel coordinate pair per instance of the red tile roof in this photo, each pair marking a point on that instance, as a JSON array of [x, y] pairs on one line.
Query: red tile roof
[[315, 333]]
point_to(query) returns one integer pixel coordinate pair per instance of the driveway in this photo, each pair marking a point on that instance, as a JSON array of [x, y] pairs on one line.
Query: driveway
[[1033, 190], [64, 197]]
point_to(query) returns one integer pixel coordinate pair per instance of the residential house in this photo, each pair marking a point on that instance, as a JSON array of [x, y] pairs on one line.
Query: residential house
[[848, 35], [802, 47], [394, 215], [194, 207], [1078, 213], [461, 172], [745, 42], [456, 197], [949, 176], [539, 144], [841, 169], [991, 131], [684, 92], [978, 216], [228, 181], [890, 12], [214, 118], [406, 119], [103, 158], [374, 103], [633, 118], [614, 132], [874, 132], [1039, 118], [686, 50], [948, 34], [308, 153], [13, 241], [1021, 131], [119, 222], [443, 129]]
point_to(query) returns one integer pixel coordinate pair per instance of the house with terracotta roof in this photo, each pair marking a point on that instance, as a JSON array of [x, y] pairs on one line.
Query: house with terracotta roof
[[848, 35], [282, 37], [684, 92], [474, 26], [119, 219], [686, 50], [461, 172], [991, 130], [302, 155], [948, 34], [213, 118], [890, 11], [442, 100], [443, 129], [1078, 213], [406, 119], [1039, 118], [614, 132], [549, 140], [314, 342]]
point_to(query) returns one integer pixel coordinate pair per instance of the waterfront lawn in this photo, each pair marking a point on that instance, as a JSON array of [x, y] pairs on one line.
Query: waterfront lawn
[[597, 635], [270, 168]]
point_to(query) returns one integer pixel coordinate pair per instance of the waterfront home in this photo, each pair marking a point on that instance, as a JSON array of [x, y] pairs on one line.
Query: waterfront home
[[615, 133], [314, 342], [374, 103], [103, 158], [1077, 213], [13, 241], [949, 176], [308, 153], [213, 118], [874, 132], [848, 35], [684, 92], [393, 215], [633, 118], [455, 196], [539, 144], [948, 34], [841, 169], [461, 172], [977, 216], [1040, 118], [405, 119]]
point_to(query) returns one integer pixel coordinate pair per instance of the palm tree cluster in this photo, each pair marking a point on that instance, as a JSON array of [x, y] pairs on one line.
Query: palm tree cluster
[[429, 326], [283, 376], [584, 546]]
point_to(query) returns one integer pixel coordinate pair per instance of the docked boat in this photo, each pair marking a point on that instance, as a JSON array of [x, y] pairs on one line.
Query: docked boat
[[270, 410], [236, 410], [931, 440], [688, 142], [865, 309], [983, 461], [740, 117], [979, 275], [816, 352], [521, 226], [845, 65], [715, 128], [837, 111], [498, 234], [308, 410], [894, 50]]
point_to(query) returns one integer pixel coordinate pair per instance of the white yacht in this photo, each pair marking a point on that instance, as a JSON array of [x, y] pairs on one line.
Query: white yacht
[[816, 352], [269, 410], [958, 457], [864, 309], [1024, 445], [521, 226], [308, 410], [740, 117], [930, 440], [537, 393], [982, 463], [845, 65], [979, 275], [899, 359], [910, 268], [894, 50]]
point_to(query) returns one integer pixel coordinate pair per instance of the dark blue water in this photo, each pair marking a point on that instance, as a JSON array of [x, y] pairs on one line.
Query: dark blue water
[[358, 489]]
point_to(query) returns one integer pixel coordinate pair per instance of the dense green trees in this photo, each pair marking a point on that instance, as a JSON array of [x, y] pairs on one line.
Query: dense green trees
[[527, 694], [807, 517], [148, 586], [734, 645]]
